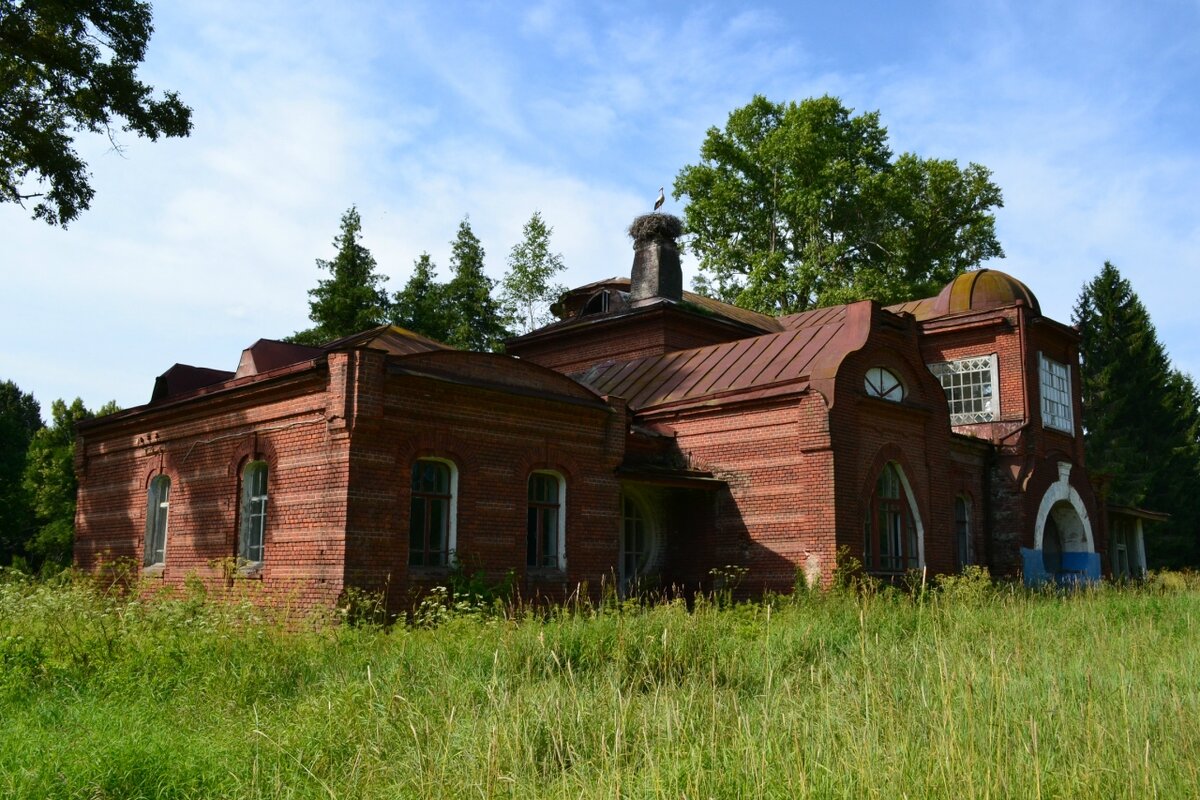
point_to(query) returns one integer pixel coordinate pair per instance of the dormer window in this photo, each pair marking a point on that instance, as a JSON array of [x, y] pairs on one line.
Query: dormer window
[[596, 304], [881, 383]]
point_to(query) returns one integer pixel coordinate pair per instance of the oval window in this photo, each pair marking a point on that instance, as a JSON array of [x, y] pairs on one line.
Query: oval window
[[879, 382]]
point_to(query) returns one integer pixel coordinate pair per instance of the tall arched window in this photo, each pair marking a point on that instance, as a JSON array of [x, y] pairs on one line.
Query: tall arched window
[[431, 521], [252, 532], [962, 532], [890, 541], [157, 504], [637, 542], [545, 540]]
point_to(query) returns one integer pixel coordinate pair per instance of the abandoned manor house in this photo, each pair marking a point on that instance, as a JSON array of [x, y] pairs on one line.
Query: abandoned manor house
[[647, 436]]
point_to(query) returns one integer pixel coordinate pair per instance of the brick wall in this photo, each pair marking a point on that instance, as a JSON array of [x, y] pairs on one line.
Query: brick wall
[[202, 447]]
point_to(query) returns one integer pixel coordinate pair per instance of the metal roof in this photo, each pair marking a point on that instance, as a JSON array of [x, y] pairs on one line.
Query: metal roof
[[771, 361]]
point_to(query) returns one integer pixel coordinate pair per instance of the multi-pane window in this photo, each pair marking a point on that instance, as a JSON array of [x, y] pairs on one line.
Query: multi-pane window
[[545, 520], [635, 541], [879, 382], [962, 532], [1056, 395], [970, 386], [890, 541], [253, 529], [430, 523], [157, 504]]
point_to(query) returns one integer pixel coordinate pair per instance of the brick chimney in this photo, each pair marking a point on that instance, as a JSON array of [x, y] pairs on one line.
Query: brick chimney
[[656, 271]]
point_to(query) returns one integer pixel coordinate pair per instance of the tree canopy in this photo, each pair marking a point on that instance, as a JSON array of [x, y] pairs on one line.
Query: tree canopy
[[421, 305], [67, 68], [476, 321], [795, 205], [20, 420], [1141, 417], [50, 483], [528, 288], [353, 298]]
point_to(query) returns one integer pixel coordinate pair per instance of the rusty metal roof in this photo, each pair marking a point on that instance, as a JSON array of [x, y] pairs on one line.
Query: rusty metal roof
[[772, 361], [395, 340], [572, 303], [814, 316]]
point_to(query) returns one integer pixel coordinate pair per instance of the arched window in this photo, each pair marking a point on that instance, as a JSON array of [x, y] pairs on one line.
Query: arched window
[[880, 382], [962, 532], [252, 532], [545, 535], [890, 541], [431, 521], [596, 304], [637, 542], [157, 504]]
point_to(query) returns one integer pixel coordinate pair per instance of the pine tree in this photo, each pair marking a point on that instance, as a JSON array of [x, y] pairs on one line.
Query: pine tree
[[476, 321], [1140, 416], [421, 305], [353, 299], [527, 290]]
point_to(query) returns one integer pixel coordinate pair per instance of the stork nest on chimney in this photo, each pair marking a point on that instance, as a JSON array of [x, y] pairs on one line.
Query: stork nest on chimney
[[664, 227]]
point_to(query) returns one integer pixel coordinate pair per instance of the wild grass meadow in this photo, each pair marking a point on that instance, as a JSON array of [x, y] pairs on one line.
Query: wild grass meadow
[[970, 691]]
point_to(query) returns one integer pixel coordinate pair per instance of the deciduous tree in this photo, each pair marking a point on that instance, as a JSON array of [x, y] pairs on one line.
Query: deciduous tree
[[528, 289], [66, 68], [50, 483], [353, 298], [801, 204], [20, 419]]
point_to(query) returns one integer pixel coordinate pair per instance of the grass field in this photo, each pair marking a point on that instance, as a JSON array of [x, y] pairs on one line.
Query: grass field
[[969, 693]]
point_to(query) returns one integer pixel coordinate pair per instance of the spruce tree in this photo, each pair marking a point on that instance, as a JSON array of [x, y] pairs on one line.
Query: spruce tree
[[527, 287], [476, 321], [1140, 416], [353, 299], [421, 305]]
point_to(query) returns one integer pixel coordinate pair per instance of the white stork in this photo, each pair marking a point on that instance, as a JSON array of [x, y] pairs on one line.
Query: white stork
[[662, 198]]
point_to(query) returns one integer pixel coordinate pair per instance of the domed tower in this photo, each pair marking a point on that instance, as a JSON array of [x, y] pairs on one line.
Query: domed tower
[[1011, 378], [983, 290]]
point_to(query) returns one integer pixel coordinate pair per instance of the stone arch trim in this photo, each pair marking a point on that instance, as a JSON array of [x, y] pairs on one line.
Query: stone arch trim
[[891, 453], [1062, 491]]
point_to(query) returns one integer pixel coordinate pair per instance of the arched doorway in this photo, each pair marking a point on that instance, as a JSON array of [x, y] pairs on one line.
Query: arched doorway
[[1063, 532]]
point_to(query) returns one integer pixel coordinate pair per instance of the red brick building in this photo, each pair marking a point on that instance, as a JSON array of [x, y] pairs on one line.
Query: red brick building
[[649, 435]]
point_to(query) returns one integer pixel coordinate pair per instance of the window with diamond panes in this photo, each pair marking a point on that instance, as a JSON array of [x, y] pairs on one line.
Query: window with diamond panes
[[1056, 395], [970, 386]]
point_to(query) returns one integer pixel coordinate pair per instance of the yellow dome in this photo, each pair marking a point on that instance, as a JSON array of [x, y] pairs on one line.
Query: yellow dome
[[982, 289]]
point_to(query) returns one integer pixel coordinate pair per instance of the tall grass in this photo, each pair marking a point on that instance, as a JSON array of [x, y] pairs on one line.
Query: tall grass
[[970, 693]]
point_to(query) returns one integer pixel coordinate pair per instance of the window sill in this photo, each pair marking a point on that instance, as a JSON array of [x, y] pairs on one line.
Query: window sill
[[251, 571], [154, 571]]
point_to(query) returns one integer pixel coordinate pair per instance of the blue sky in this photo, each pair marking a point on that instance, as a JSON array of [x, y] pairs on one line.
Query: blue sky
[[1087, 114]]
